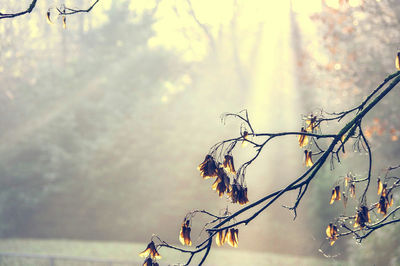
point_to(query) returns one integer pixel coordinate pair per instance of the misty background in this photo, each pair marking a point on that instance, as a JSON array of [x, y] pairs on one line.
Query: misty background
[[103, 124]]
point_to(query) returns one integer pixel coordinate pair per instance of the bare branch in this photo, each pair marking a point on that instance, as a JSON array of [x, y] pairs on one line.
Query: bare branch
[[13, 15], [335, 143], [70, 11], [63, 11], [202, 26]]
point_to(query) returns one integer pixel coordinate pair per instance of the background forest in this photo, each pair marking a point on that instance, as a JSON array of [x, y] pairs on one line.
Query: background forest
[[103, 124]]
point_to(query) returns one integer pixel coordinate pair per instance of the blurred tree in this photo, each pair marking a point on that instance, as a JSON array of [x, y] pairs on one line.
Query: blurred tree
[[78, 146], [356, 43]]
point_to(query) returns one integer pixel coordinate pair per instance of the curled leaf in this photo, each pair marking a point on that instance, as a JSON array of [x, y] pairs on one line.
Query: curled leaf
[[64, 20], [48, 15]]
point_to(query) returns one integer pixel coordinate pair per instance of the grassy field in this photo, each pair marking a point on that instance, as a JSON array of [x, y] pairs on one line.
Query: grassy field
[[129, 252]]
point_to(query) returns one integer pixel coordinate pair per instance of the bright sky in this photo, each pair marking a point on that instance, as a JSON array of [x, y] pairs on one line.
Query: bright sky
[[177, 29]]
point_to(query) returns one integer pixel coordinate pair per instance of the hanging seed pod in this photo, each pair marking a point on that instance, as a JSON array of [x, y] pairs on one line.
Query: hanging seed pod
[[303, 139]]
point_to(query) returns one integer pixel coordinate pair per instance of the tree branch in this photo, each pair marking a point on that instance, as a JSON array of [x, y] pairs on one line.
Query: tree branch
[[63, 11], [301, 183], [13, 15]]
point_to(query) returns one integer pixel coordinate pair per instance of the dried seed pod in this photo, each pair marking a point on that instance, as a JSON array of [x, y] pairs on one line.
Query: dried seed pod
[[228, 164], [333, 197], [332, 233], [48, 16], [150, 250], [303, 139], [222, 183], [184, 234], [382, 205], [362, 217], [308, 158], [335, 194], [311, 123], [345, 199], [64, 21], [208, 168], [380, 186], [352, 190], [220, 238], [232, 237]]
